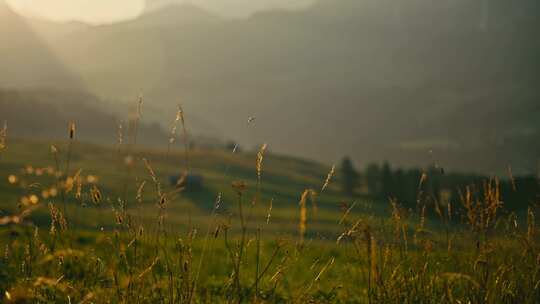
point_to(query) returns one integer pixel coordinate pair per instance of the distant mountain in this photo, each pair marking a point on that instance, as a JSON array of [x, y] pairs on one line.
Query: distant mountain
[[51, 32], [172, 15], [232, 8], [374, 79], [25, 58], [45, 114]]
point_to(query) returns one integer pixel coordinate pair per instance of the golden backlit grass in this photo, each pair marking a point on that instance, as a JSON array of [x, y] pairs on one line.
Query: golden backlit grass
[[147, 244]]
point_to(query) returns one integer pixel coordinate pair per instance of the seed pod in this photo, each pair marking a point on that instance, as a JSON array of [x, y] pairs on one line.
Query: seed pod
[[71, 130]]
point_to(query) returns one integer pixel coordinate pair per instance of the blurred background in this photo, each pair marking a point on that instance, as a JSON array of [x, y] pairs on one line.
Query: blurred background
[[415, 82]]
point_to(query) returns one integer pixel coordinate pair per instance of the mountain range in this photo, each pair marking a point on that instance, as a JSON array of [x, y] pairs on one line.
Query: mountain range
[[232, 8], [45, 114], [414, 82]]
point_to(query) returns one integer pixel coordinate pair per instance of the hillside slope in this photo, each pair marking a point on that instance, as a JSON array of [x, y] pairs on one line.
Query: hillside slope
[[283, 180]]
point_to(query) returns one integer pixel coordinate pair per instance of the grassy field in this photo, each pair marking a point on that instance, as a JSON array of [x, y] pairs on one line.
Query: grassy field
[[89, 224], [283, 181]]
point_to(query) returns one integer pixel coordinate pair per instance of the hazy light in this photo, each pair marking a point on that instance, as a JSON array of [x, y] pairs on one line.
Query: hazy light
[[90, 11]]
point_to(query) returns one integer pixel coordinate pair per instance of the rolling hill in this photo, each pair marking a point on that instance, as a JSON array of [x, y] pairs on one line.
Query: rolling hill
[[283, 181]]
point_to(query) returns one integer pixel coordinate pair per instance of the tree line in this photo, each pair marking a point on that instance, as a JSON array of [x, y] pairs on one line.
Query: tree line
[[410, 187]]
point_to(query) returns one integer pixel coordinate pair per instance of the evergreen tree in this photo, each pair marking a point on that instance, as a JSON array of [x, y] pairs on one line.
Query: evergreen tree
[[413, 187], [434, 183], [399, 186], [350, 176], [373, 179], [387, 181]]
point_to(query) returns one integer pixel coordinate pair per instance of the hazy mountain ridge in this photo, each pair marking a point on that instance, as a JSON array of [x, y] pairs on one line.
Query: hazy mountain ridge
[[232, 8], [46, 114], [25, 58], [342, 77], [172, 15]]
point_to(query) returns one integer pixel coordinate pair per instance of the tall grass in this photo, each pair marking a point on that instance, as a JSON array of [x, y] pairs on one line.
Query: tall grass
[[466, 251]]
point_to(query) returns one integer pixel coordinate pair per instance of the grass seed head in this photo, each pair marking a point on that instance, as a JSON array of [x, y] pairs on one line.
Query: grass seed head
[[71, 130], [3, 136], [328, 178], [260, 156]]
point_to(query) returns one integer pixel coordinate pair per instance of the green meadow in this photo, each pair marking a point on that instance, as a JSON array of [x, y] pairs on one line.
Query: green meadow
[[90, 224]]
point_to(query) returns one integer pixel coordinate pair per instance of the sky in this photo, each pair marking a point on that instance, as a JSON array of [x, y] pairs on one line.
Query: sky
[[90, 11], [107, 11]]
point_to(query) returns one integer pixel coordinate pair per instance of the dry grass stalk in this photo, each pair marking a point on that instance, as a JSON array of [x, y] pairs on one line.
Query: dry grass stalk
[[258, 167], [269, 213], [328, 178], [349, 232], [3, 136], [260, 156], [512, 179], [95, 194], [153, 176], [78, 191], [68, 162], [531, 226], [180, 113], [148, 269], [71, 181], [72, 130], [303, 215], [120, 135], [374, 270], [134, 119], [323, 270], [423, 179], [179, 116], [58, 221], [346, 213], [139, 106], [140, 190], [174, 127], [423, 218], [481, 210]]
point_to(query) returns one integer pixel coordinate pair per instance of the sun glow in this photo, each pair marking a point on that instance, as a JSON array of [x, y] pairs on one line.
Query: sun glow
[[89, 11]]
